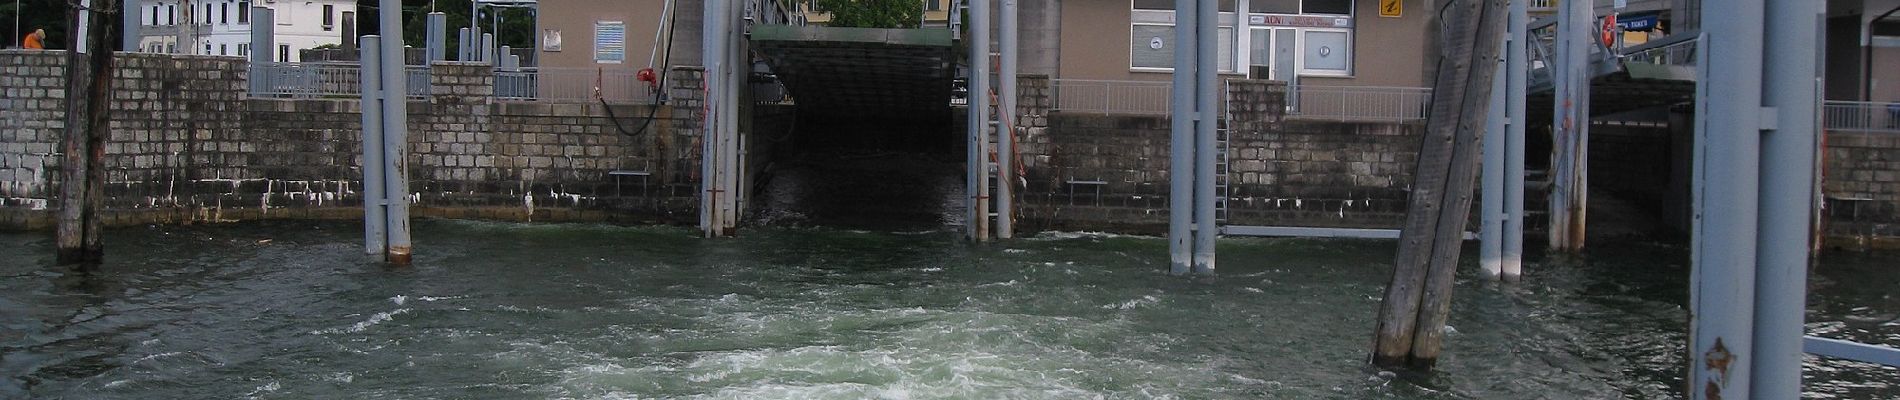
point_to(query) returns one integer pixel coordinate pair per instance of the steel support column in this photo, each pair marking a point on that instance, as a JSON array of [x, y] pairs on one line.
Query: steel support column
[[1516, 72], [395, 132], [375, 215], [1791, 88], [1181, 144], [1491, 210], [1727, 165], [1006, 122], [1207, 103], [979, 116], [1576, 24]]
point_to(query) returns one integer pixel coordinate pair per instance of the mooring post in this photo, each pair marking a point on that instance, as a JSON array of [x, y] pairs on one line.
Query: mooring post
[[82, 162], [1791, 87], [1727, 164], [979, 110], [1516, 73], [1417, 301], [738, 62], [487, 52], [375, 219], [1576, 27], [714, 43], [1006, 123], [436, 37], [1181, 140], [395, 133]]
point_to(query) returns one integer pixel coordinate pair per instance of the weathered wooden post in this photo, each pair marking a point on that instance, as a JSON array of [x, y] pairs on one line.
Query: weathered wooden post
[[1412, 315], [82, 163]]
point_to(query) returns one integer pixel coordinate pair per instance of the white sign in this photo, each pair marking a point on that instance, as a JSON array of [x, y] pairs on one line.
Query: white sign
[[1155, 43], [550, 40]]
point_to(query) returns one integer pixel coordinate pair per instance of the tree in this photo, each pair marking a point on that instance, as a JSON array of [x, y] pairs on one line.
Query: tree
[[874, 13]]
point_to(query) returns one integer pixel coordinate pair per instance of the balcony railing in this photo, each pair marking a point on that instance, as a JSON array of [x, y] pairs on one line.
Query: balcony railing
[[1860, 116], [1109, 97], [1308, 102], [572, 85]]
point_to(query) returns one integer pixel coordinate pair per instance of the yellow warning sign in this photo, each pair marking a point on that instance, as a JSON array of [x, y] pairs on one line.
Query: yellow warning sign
[[1391, 8]]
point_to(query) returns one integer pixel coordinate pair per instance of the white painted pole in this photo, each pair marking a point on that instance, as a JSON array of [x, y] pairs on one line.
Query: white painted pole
[[1727, 162], [1006, 125], [1491, 210], [1207, 62], [1516, 75], [1791, 87], [1181, 144]]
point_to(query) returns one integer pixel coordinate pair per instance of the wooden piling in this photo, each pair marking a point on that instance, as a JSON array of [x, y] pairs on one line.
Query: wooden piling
[[1412, 314], [82, 163]]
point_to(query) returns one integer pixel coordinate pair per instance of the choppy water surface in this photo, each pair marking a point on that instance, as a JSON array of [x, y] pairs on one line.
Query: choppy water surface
[[492, 310]]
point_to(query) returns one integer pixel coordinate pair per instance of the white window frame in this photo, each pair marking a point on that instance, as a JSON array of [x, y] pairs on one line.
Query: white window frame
[[1352, 53], [1147, 17]]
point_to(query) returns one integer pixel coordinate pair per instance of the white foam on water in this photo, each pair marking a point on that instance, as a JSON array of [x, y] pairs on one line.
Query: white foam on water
[[1145, 300], [399, 299], [373, 320], [1016, 251]]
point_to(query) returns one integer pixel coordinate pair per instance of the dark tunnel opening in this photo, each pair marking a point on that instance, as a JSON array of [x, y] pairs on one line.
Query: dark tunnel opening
[[867, 173]]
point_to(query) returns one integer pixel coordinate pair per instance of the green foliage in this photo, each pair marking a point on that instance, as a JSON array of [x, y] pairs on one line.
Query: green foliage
[[517, 24], [874, 13]]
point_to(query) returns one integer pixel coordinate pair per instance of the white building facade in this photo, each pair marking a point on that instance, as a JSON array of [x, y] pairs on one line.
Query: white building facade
[[223, 27]]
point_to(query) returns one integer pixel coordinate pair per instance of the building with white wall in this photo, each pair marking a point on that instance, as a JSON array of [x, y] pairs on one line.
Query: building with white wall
[[223, 27]]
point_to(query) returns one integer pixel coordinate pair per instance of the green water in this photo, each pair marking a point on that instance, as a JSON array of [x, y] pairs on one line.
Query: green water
[[494, 310]]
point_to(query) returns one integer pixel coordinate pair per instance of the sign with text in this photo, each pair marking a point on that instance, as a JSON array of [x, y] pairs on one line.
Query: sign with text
[[1299, 21]]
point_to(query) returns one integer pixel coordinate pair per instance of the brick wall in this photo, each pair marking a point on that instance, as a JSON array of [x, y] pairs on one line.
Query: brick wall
[[188, 145]]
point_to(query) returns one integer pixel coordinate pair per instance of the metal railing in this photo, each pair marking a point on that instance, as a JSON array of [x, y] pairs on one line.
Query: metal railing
[[306, 80], [1311, 102], [1109, 97], [1358, 103], [572, 85], [1682, 52], [1860, 116]]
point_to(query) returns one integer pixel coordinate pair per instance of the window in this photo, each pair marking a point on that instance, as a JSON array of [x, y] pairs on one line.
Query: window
[[244, 12], [283, 53], [171, 15], [207, 48], [154, 14], [933, 5], [207, 18], [171, 48], [329, 17], [221, 49], [244, 49], [1168, 5], [1152, 47], [224, 13], [1328, 52], [1340, 7]]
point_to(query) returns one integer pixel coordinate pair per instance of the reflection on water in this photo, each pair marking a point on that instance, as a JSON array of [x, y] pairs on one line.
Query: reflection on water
[[291, 310]]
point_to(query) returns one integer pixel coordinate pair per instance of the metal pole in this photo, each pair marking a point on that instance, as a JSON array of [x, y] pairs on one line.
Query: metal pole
[[128, 21], [395, 132], [374, 201], [712, 40], [1491, 214], [1206, 64], [1181, 143], [1571, 122], [980, 122], [1791, 87], [1727, 162], [736, 61], [1006, 124], [1516, 73], [438, 25]]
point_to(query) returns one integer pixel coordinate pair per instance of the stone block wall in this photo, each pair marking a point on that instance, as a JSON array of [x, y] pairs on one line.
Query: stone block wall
[[189, 145], [1281, 172], [1862, 184]]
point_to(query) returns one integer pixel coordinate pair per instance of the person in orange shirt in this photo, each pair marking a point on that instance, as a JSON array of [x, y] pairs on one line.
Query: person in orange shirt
[[35, 40]]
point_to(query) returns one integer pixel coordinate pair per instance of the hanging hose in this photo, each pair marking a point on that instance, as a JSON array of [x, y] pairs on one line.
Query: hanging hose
[[646, 75]]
